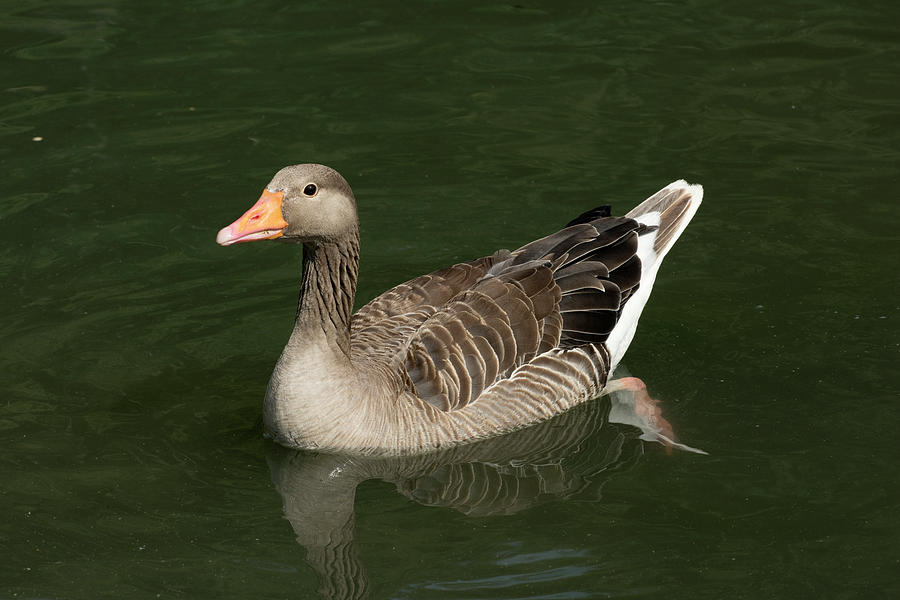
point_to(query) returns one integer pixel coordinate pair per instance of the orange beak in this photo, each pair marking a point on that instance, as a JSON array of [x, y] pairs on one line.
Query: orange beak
[[262, 222]]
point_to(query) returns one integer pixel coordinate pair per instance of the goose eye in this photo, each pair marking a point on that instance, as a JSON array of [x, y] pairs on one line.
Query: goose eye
[[310, 189]]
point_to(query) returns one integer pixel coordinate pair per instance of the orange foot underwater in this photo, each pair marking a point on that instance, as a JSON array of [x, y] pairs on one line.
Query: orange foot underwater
[[646, 413]]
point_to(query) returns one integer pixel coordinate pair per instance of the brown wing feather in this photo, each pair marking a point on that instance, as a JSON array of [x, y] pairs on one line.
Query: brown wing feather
[[482, 335], [459, 331], [433, 289]]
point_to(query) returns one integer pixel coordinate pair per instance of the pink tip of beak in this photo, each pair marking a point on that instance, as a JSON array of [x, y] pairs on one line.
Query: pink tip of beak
[[262, 222]]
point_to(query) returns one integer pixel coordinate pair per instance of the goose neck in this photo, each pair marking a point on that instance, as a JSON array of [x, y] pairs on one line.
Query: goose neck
[[327, 291]]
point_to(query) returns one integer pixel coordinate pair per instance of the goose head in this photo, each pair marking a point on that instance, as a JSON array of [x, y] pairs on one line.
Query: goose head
[[302, 203]]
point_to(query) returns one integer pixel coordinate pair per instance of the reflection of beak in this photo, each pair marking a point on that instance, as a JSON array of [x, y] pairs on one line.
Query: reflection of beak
[[262, 222]]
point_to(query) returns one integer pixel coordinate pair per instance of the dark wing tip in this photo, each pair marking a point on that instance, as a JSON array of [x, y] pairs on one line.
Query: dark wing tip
[[592, 215]]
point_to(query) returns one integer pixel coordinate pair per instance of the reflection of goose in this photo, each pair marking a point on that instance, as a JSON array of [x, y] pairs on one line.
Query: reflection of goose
[[465, 353], [570, 456]]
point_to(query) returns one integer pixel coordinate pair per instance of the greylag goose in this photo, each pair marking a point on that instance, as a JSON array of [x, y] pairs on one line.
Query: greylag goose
[[468, 352]]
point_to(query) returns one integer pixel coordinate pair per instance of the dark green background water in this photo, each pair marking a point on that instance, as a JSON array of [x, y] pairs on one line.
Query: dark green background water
[[135, 352]]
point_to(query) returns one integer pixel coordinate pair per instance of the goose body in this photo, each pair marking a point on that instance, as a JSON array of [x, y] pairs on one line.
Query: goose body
[[465, 353]]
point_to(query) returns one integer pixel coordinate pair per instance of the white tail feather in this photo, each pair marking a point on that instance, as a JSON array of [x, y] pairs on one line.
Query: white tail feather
[[650, 212]]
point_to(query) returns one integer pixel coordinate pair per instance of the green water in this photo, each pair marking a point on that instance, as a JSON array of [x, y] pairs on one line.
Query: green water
[[135, 352]]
